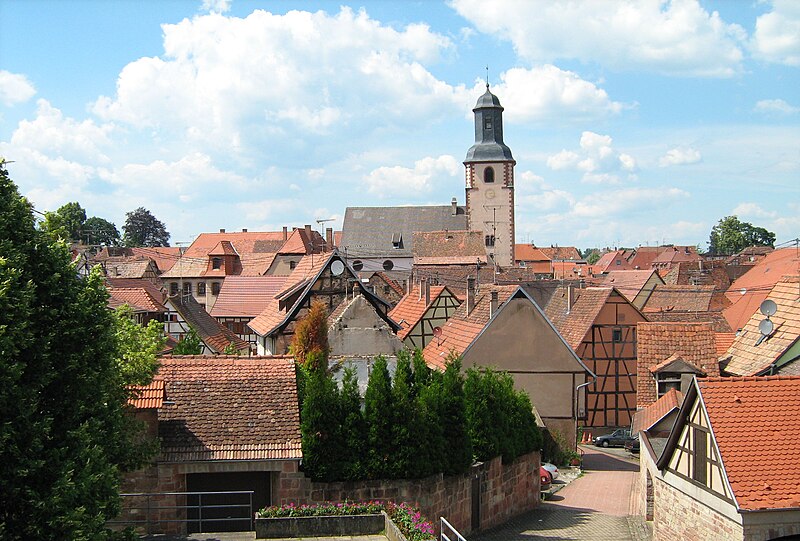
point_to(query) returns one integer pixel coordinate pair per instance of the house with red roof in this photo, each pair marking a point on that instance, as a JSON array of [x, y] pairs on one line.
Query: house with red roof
[[502, 327], [144, 303], [225, 424], [727, 468], [613, 260], [635, 285], [185, 314], [529, 256], [241, 298], [599, 324], [689, 303], [420, 313]]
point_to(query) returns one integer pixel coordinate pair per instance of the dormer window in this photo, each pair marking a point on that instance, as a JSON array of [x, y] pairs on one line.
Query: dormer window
[[216, 263], [487, 123], [488, 174], [397, 241]]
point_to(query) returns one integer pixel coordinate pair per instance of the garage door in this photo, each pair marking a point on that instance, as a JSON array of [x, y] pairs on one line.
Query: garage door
[[225, 512]]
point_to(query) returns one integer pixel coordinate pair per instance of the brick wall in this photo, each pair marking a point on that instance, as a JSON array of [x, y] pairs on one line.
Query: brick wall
[[764, 532], [505, 491], [678, 516]]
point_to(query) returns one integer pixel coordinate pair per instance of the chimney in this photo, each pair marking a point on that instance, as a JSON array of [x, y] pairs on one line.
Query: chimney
[[569, 299], [421, 288], [221, 230], [285, 233], [427, 293], [329, 238], [493, 304], [470, 294], [454, 205], [308, 231], [244, 230]]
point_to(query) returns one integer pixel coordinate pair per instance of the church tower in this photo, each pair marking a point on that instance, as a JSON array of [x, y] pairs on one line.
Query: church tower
[[490, 182]]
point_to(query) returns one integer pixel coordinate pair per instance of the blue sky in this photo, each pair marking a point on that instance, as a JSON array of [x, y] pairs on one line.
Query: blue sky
[[631, 122]]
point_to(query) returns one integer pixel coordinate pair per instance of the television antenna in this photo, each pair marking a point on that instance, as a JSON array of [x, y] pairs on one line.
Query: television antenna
[[437, 333]]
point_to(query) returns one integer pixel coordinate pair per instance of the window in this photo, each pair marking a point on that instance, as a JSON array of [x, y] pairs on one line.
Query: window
[[619, 262], [490, 240], [173, 288], [700, 461], [488, 174], [201, 288], [292, 265], [666, 381], [616, 335], [388, 265], [487, 123], [215, 288], [187, 288], [358, 265], [216, 263]]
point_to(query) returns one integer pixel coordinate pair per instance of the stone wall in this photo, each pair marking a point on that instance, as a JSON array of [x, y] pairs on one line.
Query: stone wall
[[505, 491], [679, 516]]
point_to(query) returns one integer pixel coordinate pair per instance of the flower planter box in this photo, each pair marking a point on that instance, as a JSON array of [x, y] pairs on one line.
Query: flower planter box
[[325, 526]]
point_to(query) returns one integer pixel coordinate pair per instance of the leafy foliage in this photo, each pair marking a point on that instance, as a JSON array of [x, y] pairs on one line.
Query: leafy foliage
[[189, 344], [138, 347], [66, 223], [353, 428], [99, 231], [65, 437], [143, 229], [310, 342], [731, 235], [319, 426], [231, 349], [458, 455], [379, 414]]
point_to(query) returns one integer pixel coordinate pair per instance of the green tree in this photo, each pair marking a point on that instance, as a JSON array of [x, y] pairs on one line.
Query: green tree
[[379, 415], [591, 255], [731, 236], [320, 429], [65, 435], [66, 223], [143, 229], [100, 231], [353, 427], [310, 341], [458, 448], [138, 347], [189, 344], [405, 428]]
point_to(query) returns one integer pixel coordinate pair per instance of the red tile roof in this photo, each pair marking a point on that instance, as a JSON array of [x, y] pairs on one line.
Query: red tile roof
[[756, 426], [302, 242], [676, 254], [627, 282], [749, 291], [608, 262], [643, 256], [529, 253], [411, 308], [229, 408], [138, 298], [246, 296], [573, 324], [679, 298], [749, 359], [149, 396], [214, 334], [163, 256], [650, 416], [448, 248], [560, 253]]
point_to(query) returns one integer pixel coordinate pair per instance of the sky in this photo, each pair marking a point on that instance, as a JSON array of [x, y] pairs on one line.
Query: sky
[[632, 123]]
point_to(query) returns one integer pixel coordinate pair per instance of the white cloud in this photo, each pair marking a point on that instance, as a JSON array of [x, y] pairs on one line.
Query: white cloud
[[216, 6], [597, 159], [265, 210], [534, 194], [617, 203], [776, 106], [549, 93], [675, 38], [412, 182], [752, 210], [15, 88], [777, 35], [680, 156]]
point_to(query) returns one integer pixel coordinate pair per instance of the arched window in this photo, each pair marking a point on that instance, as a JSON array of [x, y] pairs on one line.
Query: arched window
[[488, 174]]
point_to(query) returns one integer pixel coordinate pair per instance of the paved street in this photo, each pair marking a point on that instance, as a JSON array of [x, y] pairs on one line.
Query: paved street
[[595, 506]]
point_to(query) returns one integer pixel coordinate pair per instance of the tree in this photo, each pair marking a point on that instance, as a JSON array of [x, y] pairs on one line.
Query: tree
[[405, 428], [189, 344], [320, 431], [138, 346], [143, 229], [66, 223], [378, 413], [353, 427], [100, 231], [65, 435], [731, 236], [310, 341], [458, 456]]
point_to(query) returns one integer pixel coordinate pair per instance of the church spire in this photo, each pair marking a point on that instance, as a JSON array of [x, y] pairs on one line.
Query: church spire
[[489, 146]]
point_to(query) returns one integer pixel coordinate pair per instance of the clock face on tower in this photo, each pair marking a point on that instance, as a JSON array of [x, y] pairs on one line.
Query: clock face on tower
[[490, 194]]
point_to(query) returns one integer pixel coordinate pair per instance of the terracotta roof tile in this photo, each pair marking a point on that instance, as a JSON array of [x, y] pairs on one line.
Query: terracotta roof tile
[[529, 253], [215, 335], [648, 417], [675, 254], [229, 408], [448, 248], [717, 320], [680, 298], [610, 261], [749, 359], [560, 253], [135, 297], [723, 341], [656, 342], [149, 396], [627, 282], [246, 296], [573, 324], [412, 307], [643, 256], [755, 424]]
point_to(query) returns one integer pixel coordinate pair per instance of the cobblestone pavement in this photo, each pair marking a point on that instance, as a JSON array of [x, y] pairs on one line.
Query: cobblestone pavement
[[592, 507]]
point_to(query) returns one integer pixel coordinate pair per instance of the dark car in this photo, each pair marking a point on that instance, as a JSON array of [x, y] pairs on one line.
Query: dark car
[[618, 438], [632, 446]]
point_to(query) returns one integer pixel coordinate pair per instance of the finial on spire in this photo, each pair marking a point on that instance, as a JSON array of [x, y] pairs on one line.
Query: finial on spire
[[487, 76]]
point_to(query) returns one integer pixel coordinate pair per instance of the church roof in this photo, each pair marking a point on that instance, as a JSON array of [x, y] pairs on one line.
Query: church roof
[[488, 100]]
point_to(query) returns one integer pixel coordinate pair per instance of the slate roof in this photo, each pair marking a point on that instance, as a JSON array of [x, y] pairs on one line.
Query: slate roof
[[656, 342], [368, 231], [627, 282], [412, 307], [138, 298], [749, 359], [214, 334], [150, 396], [246, 296], [575, 323], [647, 418], [229, 408], [755, 425], [449, 248], [748, 291], [679, 298]]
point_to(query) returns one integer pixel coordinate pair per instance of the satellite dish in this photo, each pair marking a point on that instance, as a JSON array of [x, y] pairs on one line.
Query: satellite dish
[[766, 327], [437, 332], [742, 291], [768, 308], [337, 268]]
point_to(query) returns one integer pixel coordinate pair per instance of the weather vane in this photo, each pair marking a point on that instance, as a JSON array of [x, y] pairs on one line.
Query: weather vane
[[487, 76]]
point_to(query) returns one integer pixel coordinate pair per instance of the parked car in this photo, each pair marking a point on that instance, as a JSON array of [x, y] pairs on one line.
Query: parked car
[[552, 468], [546, 480], [632, 446], [618, 438]]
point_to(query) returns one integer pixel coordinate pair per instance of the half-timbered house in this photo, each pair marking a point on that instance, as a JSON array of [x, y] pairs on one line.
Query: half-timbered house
[[420, 313]]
